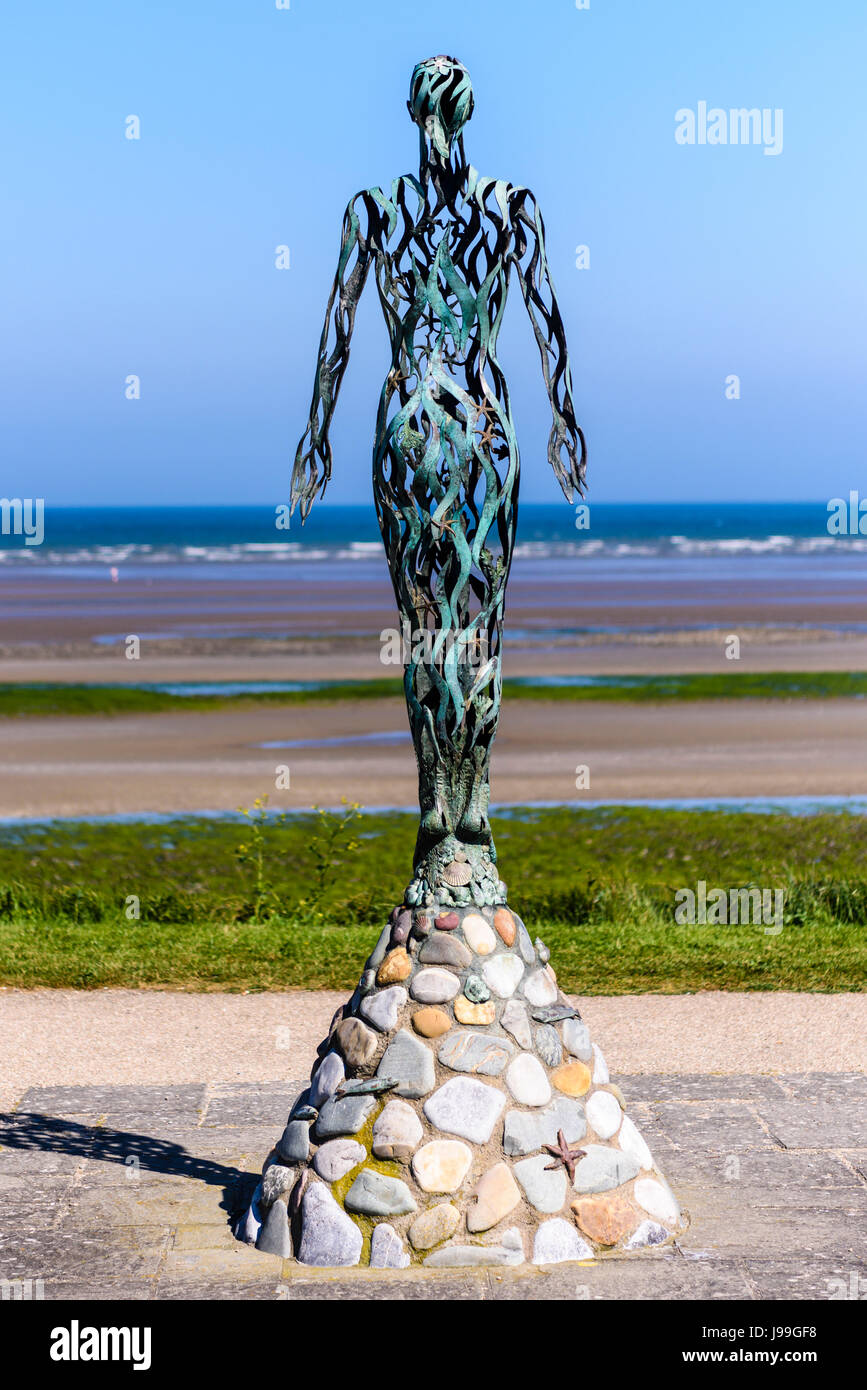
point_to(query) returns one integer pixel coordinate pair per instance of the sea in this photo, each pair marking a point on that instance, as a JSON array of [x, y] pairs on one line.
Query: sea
[[88, 537]]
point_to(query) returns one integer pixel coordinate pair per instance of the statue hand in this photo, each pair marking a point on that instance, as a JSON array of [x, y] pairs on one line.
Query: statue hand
[[311, 470], [570, 474]]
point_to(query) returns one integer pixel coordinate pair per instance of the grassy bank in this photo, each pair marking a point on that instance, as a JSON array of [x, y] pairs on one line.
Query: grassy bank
[[31, 700], [301, 903]]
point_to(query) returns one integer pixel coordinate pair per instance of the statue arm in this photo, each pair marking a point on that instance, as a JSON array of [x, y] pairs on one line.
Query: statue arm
[[312, 468], [530, 259]]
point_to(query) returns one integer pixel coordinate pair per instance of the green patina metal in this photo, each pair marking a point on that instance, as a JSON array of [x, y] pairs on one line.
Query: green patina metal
[[445, 460]]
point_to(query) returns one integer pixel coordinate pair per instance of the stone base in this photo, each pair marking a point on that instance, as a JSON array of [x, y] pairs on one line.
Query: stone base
[[458, 1115]]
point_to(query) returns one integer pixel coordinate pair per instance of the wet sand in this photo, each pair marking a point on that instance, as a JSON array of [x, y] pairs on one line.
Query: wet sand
[[178, 762], [318, 622], [576, 598]]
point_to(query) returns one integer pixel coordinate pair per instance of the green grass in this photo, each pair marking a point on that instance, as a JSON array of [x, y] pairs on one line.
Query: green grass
[[18, 700], [597, 885], [59, 699]]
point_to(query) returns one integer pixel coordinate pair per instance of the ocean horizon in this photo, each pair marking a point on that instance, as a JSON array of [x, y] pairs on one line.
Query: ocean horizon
[[89, 537]]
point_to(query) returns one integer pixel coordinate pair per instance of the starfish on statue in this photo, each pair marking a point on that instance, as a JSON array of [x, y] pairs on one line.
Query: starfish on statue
[[563, 1155]]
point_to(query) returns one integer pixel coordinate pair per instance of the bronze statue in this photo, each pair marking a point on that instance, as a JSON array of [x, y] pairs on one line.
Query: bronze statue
[[445, 458]]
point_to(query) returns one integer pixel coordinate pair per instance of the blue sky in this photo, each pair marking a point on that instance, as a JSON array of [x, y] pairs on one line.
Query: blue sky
[[156, 256]]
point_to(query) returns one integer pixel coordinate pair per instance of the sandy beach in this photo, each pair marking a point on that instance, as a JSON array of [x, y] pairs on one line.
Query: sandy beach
[[563, 605], [315, 622], [177, 762]]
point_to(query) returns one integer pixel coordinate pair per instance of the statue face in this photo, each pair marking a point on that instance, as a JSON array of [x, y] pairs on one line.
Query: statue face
[[440, 100]]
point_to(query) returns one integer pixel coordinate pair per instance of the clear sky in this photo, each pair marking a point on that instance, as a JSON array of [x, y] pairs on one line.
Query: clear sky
[[156, 256]]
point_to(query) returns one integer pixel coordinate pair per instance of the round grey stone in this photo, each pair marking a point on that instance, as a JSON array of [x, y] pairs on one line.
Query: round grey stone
[[648, 1233], [526, 1131], [294, 1142], [443, 948], [344, 1116], [386, 1248], [548, 1045], [545, 1190], [382, 1009], [337, 1158], [527, 1080], [397, 1132], [465, 1107], [603, 1114], [275, 1180], [329, 1075], [557, 1241], [510, 1251], [410, 1062], [657, 1199], [539, 988], [275, 1237], [576, 1039], [516, 1021], [433, 985], [525, 945], [328, 1236], [375, 1194], [480, 1053], [503, 973], [603, 1168]]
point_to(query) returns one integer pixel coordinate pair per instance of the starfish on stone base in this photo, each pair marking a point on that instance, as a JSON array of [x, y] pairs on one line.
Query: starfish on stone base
[[563, 1155]]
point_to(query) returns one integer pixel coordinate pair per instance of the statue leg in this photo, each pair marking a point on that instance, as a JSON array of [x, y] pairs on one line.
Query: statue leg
[[454, 857], [449, 592]]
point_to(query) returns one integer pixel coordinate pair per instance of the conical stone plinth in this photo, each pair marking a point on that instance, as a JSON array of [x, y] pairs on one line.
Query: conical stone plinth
[[458, 1114]]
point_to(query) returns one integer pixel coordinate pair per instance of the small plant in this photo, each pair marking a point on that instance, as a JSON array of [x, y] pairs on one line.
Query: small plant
[[329, 848], [251, 854]]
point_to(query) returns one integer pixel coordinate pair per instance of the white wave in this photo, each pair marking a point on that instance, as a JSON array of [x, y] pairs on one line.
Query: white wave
[[292, 552]]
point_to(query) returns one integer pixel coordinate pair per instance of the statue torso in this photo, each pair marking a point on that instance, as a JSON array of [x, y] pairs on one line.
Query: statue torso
[[442, 270]]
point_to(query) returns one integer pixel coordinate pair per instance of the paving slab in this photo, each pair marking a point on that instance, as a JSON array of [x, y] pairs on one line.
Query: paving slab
[[819, 1277], [241, 1105], [459, 1286], [770, 1178], [723, 1225], [657, 1277], [654, 1087], [771, 1170], [812, 1121], [717, 1127], [118, 1105]]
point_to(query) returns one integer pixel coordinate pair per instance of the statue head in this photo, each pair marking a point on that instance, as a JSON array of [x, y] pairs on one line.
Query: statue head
[[440, 100]]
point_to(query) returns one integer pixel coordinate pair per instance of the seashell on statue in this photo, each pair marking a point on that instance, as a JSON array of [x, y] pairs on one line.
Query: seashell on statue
[[457, 874]]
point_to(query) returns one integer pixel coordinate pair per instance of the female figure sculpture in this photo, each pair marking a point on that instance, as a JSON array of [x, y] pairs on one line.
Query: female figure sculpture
[[440, 1124], [445, 461]]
